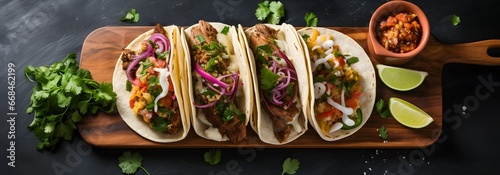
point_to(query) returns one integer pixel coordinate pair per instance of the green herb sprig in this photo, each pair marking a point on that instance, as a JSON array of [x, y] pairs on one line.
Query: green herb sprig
[[131, 16], [129, 162], [272, 11], [290, 166], [63, 94]]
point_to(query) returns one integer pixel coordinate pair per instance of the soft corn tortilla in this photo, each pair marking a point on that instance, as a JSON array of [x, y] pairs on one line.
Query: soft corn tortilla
[[363, 66], [262, 123], [244, 94], [123, 96]]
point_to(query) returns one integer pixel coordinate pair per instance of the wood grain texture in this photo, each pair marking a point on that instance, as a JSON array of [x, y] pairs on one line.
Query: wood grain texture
[[102, 48]]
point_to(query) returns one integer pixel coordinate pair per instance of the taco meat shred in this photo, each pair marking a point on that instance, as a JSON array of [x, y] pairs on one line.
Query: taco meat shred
[[213, 59]]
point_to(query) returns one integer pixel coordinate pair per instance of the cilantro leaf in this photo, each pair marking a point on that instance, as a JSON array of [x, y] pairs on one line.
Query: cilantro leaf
[[212, 156], [131, 16], [208, 92], [383, 132], [225, 30], [271, 11], [311, 19], [273, 19], [268, 79], [455, 20], [211, 64], [262, 10], [305, 37], [382, 110], [129, 162], [290, 166], [277, 8]]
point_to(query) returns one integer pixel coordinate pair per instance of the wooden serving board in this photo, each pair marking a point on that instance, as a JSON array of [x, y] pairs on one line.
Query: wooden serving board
[[103, 46]]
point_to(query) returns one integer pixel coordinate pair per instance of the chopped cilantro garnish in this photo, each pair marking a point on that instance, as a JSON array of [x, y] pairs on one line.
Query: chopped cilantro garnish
[[200, 38], [128, 86], [268, 79], [289, 89], [262, 52], [163, 55], [352, 60], [160, 124], [150, 106], [207, 92], [211, 64], [225, 30], [305, 37], [153, 80]]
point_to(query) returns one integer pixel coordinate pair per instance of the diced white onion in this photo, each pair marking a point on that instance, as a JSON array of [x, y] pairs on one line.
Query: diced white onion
[[327, 44], [213, 133], [329, 51], [164, 73], [321, 61], [319, 90]]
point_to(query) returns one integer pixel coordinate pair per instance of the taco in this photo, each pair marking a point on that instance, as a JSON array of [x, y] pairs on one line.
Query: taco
[[220, 91], [277, 65], [147, 79], [342, 82]]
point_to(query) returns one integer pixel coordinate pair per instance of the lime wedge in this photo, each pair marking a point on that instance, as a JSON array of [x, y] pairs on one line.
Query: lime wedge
[[400, 79], [408, 114]]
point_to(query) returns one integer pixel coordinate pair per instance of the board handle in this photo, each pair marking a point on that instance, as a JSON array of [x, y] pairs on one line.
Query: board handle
[[486, 52]]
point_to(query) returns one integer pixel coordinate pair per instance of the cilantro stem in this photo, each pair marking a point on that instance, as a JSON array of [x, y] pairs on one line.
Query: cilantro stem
[[144, 169]]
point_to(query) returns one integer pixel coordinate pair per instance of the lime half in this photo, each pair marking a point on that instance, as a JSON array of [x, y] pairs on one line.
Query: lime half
[[400, 79], [408, 114]]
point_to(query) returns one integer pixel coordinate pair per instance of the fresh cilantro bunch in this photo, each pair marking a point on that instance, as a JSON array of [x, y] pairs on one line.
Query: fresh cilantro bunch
[[271, 11], [62, 95], [129, 162]]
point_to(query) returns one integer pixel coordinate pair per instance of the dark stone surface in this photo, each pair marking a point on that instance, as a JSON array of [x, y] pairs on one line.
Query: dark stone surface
[[41, 32]]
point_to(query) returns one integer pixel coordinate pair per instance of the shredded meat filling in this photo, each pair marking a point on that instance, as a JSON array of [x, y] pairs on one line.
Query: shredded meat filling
[[281, 116], [234, 129]]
